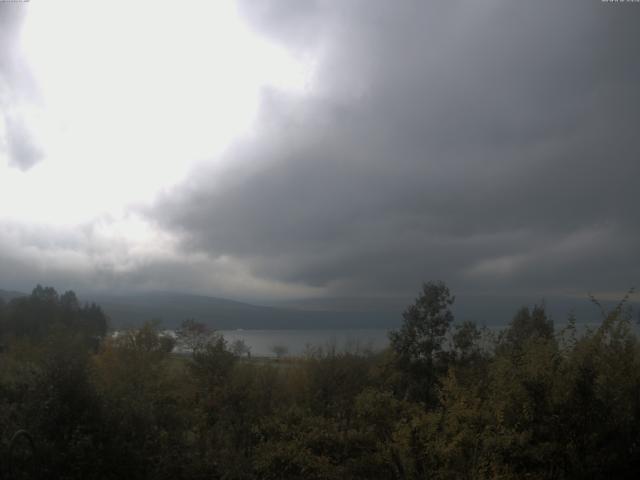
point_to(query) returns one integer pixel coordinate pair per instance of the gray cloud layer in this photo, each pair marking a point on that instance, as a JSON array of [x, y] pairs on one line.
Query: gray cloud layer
[[492, 144]]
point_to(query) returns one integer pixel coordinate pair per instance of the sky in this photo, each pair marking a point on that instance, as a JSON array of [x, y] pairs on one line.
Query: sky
[[286, 150]]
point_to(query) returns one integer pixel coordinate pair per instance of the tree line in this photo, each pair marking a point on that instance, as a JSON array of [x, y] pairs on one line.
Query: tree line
[[445, 400]]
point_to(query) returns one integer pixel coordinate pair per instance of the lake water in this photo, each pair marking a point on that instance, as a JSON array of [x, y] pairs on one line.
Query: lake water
[[296, 342]]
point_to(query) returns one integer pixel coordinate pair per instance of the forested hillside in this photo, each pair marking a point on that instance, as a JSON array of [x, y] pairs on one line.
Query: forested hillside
[[447, 400]]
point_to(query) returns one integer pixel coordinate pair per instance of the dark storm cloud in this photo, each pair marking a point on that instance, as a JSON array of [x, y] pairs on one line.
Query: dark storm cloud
[[17, 89], [492, 144]]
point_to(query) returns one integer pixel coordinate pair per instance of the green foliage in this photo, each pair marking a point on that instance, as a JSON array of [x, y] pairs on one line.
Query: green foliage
[[444, 401], [419, 344], [146, 408], [192, 335], [527, 325], [240, 348], [44, 311]]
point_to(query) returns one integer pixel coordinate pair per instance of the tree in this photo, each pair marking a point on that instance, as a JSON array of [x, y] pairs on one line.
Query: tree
[[37, 315], [418, 344], [240, 348], [212, 361], [466, 342], [192, 334], [2, 320], [69, 301], [93, 320], [144, 391], [528, 324], [279, 351]]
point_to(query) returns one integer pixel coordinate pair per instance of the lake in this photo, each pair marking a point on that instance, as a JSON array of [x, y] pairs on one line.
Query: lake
[[296, 342]]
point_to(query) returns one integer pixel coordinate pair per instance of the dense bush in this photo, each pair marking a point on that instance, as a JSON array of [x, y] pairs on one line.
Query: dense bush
[[445, 401]]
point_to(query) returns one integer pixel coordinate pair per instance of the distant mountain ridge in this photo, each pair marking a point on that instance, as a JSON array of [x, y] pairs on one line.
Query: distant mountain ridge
[[172, 308], [8, 295], [130, 310]]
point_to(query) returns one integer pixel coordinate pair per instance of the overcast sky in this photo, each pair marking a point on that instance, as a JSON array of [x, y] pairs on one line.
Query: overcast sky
[[285, 149]]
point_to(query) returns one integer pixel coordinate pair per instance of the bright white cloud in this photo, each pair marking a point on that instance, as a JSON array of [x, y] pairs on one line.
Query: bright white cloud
[[133, 96], [130, 98]]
